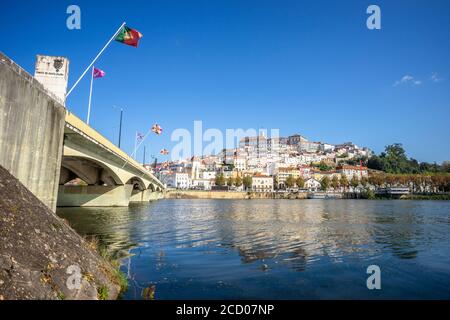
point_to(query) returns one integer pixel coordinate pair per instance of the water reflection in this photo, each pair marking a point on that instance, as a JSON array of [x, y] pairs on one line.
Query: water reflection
[[189, 247]]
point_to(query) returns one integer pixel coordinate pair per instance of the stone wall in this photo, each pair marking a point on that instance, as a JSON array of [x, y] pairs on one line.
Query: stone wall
[[38, 250], [31, 132], [193, 194]]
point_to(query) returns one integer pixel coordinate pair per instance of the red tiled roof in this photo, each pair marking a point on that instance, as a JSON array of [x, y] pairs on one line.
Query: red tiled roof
[[348, 167]]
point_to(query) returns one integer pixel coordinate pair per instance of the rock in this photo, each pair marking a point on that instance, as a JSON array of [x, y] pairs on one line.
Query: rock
[[37, 250]]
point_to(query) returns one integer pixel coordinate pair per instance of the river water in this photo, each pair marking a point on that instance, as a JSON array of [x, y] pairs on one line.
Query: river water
[[276, 249]]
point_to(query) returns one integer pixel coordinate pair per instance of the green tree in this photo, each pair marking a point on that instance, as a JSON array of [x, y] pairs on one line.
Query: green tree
[[335, 182], [276, 182], [290, 181], [325, 183], [368, 194], [364, 181], [395, 160], [354, 182], [344, 181], [300, 182], [322, 166], [446, 166], [238, 181], [230, 181], [220, 180], [247, 181]]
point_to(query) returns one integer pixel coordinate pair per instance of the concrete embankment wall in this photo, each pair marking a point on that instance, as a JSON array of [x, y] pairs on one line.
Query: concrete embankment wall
[[31, 132], [193, 194]]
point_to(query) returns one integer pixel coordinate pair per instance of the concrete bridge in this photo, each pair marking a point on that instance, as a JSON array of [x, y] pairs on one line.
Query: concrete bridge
[[46, 147], [112, 177]]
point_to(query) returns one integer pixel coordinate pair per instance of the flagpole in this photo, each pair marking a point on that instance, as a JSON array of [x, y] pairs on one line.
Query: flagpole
[[143, 163], [90, 96], [135, 143], [120, 126], [95, 59], [136, 147], [142, 141]]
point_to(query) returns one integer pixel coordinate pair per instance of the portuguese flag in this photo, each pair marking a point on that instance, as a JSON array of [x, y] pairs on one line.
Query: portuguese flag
[[129, 36]]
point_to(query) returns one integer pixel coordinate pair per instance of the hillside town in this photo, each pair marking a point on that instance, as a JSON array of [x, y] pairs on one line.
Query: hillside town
[[262, 164]]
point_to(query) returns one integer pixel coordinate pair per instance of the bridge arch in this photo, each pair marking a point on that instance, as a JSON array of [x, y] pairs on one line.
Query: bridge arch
[[89, 170], [138, 183]]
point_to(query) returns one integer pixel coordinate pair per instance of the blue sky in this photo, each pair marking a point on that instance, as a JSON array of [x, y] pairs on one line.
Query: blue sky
[[308, 67]]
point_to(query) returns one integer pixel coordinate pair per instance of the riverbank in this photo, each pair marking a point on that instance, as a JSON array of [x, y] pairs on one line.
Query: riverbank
[[243, 195], [426, 197], [231, 195], [42, 257]]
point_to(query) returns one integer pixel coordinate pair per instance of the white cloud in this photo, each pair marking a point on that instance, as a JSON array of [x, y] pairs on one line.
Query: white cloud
[[435, 77], [408, 79]]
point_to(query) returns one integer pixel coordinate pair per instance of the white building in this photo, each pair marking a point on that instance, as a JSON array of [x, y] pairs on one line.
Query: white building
[[296, 140], [178, 180], [240, 163], [261, 183], [312, 184], [209, 175], [326, 147], [307, 146], [351, 171], [203, 184]]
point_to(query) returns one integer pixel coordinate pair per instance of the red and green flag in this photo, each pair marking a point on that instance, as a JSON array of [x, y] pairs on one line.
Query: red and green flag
[[129, 36]]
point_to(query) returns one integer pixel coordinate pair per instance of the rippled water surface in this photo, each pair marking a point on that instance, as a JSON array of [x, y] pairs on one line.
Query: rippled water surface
[[277, 249]]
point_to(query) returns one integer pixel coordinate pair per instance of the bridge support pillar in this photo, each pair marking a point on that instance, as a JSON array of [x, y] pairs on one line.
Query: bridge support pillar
[[154, 196], [94, 196], [141, 196], [146, 196]]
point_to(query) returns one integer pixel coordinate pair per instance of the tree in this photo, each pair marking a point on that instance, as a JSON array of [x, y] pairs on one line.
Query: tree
[[395, 160], [300, 182], [290, 181], [220, 180], [364, 181], [325, 183], [376, 163], [238, 181], [446, 166], [376, 180], [276, 182], [322, 166], [335, 182], [247, 182], [356, 161], [230, 181], [344, 182], [354, 182]]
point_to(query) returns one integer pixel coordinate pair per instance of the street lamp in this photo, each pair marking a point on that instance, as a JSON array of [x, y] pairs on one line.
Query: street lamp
[[120, 124]]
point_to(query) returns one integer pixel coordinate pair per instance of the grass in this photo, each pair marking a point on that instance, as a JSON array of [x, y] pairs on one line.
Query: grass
[[102, 293], [117, 276]]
